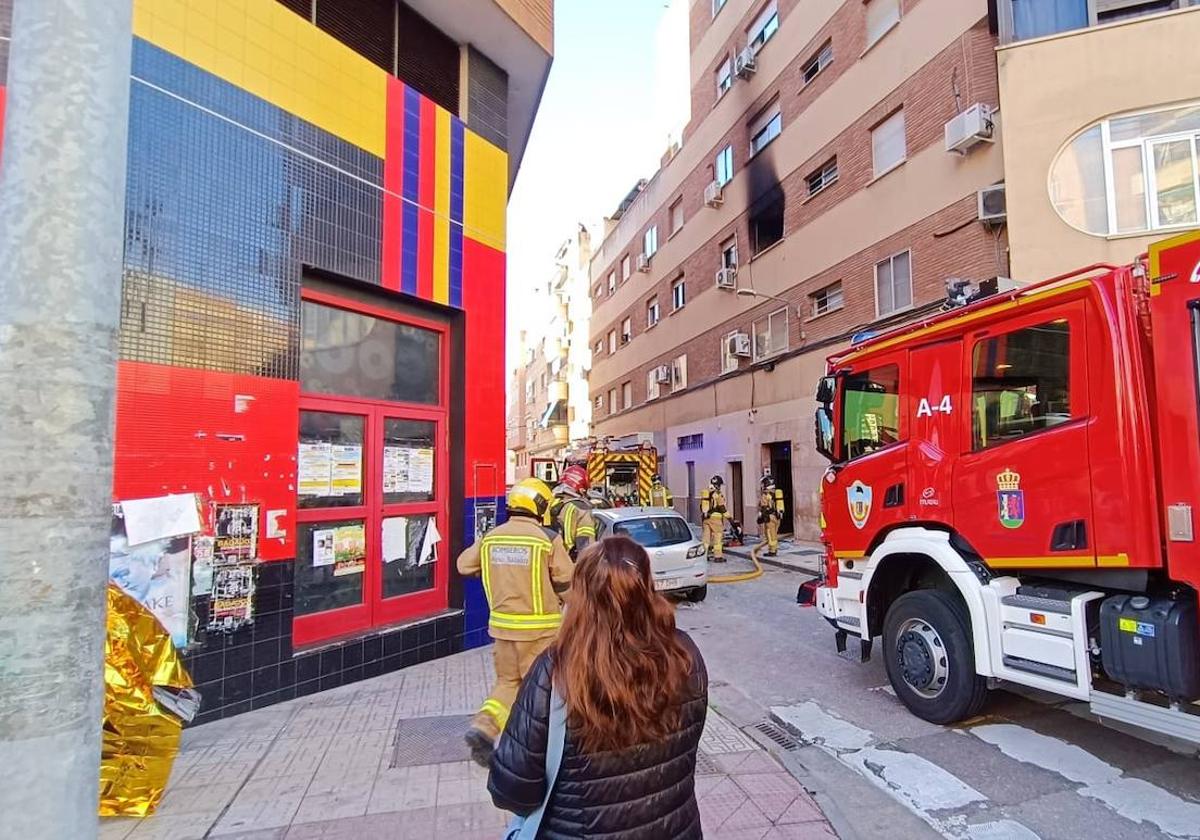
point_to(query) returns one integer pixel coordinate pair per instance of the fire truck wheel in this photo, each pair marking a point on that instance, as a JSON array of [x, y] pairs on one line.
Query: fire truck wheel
[[929, 657]]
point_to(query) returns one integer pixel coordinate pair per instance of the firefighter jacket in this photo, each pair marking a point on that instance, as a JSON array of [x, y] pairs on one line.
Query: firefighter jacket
[[712, 503], [770, 505], [574, 521], [660, 496], [525, 570]]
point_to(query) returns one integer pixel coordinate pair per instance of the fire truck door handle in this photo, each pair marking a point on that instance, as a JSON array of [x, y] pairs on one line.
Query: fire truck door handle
[[1069, 536], [894, 496]]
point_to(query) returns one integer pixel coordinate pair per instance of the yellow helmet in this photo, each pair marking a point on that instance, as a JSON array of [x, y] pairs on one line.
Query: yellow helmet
[[530, 496]]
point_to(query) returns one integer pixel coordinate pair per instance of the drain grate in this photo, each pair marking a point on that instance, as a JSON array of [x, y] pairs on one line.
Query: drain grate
[[777, 735], [430, 740], [706, 765]]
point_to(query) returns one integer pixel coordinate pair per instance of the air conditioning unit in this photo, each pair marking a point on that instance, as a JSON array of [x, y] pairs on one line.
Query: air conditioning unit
[[712, 194], [739, 345], [726, 278], [971, 127], [643, 263], [992, 206], [662, 374], [744, 65]]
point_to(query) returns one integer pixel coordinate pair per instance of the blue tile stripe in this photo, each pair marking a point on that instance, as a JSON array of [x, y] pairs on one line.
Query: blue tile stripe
[[411, 189], [457, 155]]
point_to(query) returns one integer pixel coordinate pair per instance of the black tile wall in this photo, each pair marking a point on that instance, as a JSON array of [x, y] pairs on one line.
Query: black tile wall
[[256, 665]]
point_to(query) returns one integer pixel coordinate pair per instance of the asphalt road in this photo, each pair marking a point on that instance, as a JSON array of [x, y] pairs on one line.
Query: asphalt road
[[1026, 768]]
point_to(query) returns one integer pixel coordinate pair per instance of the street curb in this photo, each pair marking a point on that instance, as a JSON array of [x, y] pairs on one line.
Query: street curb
[[779, 564]]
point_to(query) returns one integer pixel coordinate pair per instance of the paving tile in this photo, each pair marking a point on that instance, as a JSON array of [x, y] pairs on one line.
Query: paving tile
[[741, 763], [117, 828], [771, 792], [347, 801], [735, 833], [454, 823], [173, 827], [802, 810], [720, 803], [262, 834], [721, 736], [208, 799], [404, 789], [801, 831], [748, 815], [294, 757], [264, 803]]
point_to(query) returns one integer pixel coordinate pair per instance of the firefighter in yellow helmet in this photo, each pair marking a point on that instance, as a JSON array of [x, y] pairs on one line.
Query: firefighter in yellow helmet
[[571, 512], [712, 514], [770, 513], [526, 571], [660, 494]]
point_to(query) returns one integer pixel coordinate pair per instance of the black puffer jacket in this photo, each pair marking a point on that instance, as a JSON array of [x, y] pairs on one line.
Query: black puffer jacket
[[641, 793]]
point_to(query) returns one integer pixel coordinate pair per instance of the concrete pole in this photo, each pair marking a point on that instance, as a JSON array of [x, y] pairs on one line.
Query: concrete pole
[[62, 199]]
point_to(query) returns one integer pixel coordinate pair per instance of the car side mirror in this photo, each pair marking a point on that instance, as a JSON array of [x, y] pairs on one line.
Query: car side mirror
[[823, 428], [826, 389]]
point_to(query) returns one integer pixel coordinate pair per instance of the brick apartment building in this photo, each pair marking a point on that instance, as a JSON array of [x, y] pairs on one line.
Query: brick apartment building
[[814, 169]]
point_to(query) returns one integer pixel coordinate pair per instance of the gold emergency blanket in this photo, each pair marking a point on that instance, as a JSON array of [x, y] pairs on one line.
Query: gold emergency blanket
[[141, 738]]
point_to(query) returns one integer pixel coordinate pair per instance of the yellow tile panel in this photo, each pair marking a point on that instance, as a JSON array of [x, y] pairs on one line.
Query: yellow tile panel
[[485, 186], [276, 55]]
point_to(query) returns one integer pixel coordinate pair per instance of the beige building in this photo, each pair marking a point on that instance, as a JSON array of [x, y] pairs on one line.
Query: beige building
[[813, 196], [1101, 125], [549, 404]]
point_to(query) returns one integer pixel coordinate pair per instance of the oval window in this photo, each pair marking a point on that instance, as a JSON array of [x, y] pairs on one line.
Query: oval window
[[1130, 173]]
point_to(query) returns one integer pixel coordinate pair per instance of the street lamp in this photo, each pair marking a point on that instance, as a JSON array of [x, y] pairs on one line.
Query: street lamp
[[754, 293]]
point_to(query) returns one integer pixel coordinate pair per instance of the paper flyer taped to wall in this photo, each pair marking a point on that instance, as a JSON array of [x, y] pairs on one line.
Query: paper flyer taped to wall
[[161, 517]]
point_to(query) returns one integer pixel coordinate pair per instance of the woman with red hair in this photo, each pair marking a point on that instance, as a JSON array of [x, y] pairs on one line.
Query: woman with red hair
[[635, 694]]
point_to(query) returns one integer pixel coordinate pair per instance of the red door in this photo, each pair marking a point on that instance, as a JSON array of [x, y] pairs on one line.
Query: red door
[[372, 471], [1022, 488], [867, 492], [936, 407]]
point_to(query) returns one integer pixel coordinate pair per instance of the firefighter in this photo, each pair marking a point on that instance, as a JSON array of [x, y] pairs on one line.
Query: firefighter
[[599, 498], [526, 571], [770, 513], [572, 512], [660, 494], [712, 514]]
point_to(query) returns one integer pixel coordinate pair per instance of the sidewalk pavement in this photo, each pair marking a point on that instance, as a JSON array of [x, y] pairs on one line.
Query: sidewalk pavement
[[795, 555], [383, 759]]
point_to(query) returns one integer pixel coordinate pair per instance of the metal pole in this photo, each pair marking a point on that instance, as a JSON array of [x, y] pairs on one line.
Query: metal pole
[[62, 196]]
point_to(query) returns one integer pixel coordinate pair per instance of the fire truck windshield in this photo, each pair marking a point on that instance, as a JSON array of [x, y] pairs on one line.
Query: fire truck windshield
[[870, 410]]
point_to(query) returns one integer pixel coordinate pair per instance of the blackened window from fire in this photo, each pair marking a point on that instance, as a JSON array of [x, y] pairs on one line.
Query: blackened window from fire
[[766, 220]]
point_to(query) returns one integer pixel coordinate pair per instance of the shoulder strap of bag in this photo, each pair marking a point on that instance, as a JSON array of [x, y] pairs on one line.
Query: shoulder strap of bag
[[555, 744]]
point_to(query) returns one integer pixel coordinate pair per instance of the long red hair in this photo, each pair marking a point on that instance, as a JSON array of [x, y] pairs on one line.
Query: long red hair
[[618, 664]]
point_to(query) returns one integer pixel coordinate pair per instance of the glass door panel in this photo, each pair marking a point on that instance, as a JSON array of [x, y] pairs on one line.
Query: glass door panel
[[330, 565], [1174, 182], [409, 555], [330, 460], [408, 460]]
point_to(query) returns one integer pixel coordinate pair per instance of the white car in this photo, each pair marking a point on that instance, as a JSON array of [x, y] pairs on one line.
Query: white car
[[677, 558]]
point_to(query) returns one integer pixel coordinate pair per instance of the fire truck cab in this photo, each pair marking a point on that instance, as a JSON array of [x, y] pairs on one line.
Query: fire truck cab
[[1011, 490]]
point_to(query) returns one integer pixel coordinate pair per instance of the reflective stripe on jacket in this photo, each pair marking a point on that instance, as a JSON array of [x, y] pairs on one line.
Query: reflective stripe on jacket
[[524, 567], [577, 524]]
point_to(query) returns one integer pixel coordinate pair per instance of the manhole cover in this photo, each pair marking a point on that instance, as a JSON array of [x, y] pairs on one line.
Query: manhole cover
[[430, 740], [706, 765]]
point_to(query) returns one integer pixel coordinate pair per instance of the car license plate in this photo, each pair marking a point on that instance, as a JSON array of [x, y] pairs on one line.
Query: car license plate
[[666, 583]]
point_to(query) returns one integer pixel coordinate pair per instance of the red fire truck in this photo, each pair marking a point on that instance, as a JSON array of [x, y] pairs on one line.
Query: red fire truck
[[1011, 491]]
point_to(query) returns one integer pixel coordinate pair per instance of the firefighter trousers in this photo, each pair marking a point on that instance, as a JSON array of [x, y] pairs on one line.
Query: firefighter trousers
[[714, 536], [513, 660], [772, 529]]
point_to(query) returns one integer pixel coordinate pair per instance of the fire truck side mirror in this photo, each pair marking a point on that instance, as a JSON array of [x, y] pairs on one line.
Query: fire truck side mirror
[[826, 389], [823, 425]]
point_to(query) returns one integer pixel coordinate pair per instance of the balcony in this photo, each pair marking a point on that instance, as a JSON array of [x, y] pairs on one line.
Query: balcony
[[557, 391]]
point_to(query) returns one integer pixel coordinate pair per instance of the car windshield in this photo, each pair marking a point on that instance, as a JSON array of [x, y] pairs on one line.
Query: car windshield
[[655, 531]]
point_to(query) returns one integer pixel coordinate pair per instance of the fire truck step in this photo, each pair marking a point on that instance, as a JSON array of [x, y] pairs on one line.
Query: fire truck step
[[1178, 722], [1037, 603], [1040, 668]]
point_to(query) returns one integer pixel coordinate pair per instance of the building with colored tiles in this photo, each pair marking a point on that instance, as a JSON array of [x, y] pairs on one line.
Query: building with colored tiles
[[312, 323]]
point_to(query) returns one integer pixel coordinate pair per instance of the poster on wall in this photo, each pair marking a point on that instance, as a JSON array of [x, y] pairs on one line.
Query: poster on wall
[[349, 550], [323, 547], [420, 471], [346, 470], [202, 565], [235, 534], [313, 469], [395, 469], [232, 604], [156, 573], [485, 518]]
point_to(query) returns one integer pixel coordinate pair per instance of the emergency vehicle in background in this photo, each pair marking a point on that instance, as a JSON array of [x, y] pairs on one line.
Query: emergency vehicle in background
[[623, 468], [1012, 490]]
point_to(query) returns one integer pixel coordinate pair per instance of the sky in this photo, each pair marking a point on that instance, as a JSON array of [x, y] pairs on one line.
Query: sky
[[611, 101]]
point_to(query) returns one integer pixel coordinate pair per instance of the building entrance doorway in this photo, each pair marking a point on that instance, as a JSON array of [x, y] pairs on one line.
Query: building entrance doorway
[[736, 503], [778, 457]]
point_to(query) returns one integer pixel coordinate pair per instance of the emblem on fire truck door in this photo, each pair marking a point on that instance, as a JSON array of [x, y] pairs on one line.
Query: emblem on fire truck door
[[1010, 499], [858, 498]]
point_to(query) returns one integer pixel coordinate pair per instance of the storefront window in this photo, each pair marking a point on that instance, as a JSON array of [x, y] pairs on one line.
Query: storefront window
[[408, 455], [1131, 174], [330, 460], [330, 562], [409, 554], [354, 355]]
